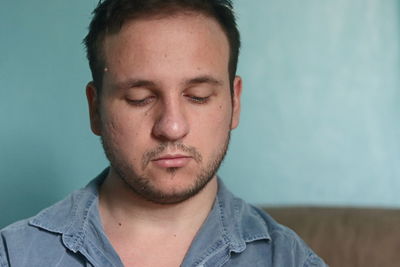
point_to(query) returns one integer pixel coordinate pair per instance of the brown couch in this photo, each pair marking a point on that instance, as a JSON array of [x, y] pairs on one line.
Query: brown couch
[[347, 237]]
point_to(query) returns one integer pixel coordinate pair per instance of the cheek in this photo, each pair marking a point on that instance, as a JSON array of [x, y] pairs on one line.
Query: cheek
[[122, 127], [125, 140], [221, 117], [212, 129]]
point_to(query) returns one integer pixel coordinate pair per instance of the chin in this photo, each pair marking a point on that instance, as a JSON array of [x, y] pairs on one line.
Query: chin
[[169, 187]]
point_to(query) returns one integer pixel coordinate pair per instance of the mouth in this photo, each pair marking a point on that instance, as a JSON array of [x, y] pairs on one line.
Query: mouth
[[172, 161]]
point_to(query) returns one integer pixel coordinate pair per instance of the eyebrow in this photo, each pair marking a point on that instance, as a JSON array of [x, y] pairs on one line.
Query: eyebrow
[[131, 83], [204, 79]]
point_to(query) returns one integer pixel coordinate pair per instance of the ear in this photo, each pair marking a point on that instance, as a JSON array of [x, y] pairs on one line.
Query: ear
[[237, 92], [93, 103]]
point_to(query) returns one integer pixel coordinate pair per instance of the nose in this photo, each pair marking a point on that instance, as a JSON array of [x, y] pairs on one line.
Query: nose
[[171, 124]]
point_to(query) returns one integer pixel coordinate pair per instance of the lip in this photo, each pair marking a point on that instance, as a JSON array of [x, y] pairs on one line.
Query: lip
[[172, 161]]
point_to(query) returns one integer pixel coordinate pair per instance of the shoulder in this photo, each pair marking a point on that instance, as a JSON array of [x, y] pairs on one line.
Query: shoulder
[[22, 242], [266, 242], [12, 236], [257, 239]]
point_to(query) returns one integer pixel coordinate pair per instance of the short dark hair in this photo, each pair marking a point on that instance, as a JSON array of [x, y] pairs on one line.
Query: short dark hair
[[110, 15]]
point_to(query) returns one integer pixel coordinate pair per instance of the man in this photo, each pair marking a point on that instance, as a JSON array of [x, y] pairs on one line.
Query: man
[[164, 99]]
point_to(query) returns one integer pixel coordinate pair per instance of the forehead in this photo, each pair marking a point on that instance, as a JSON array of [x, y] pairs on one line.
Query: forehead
[[183, 40]]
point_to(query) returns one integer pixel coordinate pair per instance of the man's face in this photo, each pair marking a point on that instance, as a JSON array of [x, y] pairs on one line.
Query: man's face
[[165, 110]]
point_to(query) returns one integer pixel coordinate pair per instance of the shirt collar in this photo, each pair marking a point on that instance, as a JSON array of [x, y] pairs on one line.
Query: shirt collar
[[231, 223], [71, 216]]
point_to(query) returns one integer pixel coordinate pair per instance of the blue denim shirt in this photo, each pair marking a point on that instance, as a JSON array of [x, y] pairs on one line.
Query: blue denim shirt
[[70, 234]]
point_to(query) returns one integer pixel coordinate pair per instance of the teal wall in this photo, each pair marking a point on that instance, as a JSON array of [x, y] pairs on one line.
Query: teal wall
[[321, 104]]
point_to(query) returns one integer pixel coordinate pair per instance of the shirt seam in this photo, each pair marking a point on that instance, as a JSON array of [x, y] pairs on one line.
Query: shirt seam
[[239, 235], [221, 243], [3, 257], [79, 234], [222, 220]]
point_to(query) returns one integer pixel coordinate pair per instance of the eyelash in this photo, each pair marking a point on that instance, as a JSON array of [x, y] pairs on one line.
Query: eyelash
[[199, 100], [141, 102]]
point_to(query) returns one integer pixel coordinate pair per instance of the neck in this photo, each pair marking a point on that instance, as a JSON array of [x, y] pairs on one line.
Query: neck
[[121, 208]]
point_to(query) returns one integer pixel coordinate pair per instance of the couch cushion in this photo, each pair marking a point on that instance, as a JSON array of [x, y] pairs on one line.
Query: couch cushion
[[346, 236]]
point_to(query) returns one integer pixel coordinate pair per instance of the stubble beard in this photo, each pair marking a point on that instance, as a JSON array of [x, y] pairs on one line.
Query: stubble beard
[[143, 186]]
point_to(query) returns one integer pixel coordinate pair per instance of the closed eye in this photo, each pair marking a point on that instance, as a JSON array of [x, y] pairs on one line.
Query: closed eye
[[141, 102], [198, 99]]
